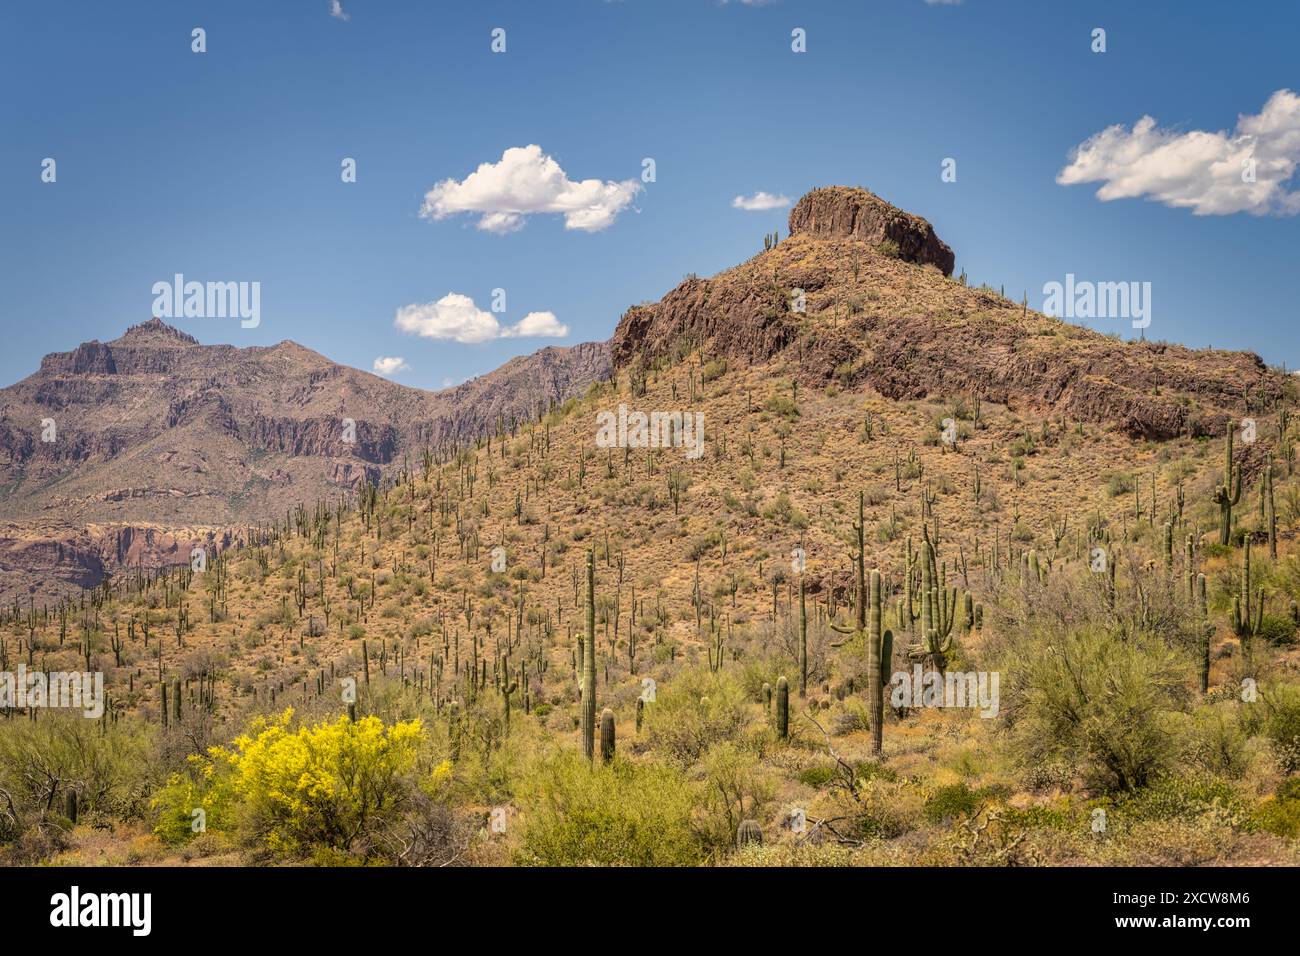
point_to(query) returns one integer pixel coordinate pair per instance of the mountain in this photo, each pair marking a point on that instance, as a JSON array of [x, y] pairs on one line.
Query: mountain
[[159, 441], [872, 318]]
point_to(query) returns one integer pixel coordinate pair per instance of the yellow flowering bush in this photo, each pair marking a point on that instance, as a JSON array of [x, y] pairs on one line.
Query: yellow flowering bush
[[326, 785]]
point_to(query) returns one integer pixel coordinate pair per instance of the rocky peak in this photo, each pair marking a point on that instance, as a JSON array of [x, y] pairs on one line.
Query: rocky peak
[[867, 316], [845, 212], [155, 332]]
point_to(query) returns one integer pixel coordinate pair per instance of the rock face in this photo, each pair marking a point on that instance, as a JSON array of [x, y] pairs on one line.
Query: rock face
[[843, 212], [157, 436], [831, 306]]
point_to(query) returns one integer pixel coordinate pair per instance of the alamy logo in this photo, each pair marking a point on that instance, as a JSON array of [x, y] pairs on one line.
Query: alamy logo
[[634, 429], [1098, 300], [69, 690], [208, 300], [975, 689], [103, 909]]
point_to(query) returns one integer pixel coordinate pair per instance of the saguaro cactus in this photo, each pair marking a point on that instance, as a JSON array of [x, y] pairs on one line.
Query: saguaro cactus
[[938, 603], [880, 654], [1270, 513], [803, 642], [607, 741], [506, 689], [879, 644], [1207, 633], [589, 664], [1228, 494], [453, 728], [782, 708], [1247, 608]]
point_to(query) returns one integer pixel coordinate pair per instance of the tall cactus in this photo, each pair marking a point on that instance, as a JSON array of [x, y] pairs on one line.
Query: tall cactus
[[938, 607], [879, 643], [607, 742], [1228, 494], [1270, 513], [880, 654], [803, 642], [506, 687], [1207, 633], [782, 708], [1247, 607], [589, 665], [453, 728]]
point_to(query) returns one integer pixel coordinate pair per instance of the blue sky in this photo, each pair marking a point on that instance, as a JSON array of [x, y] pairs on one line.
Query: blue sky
[[225, 165]]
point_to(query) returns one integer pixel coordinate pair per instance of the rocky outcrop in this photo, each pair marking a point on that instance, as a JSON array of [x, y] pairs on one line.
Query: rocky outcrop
[[840, 308], [842, 212]]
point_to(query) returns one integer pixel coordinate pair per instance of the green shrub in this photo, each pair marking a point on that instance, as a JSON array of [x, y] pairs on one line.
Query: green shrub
[[957, 800], [1103, 704], [784, 406], [1119, 483], [109, 765], [1281, 814], [1179, 797], [618, 814], [816, 776], [1217, 742], [734, 789], [1277, 629], [1282, 725], [696, 711]]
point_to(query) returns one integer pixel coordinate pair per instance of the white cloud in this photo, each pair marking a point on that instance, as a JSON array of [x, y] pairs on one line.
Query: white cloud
[[525, 182], [1198, 170], [542, 325], [455, 317], [760, 201], [389, 365], [337, 11], [944, 3]]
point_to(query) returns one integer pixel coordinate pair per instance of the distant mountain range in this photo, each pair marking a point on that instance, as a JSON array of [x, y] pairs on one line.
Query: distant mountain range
[[135, 449]]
